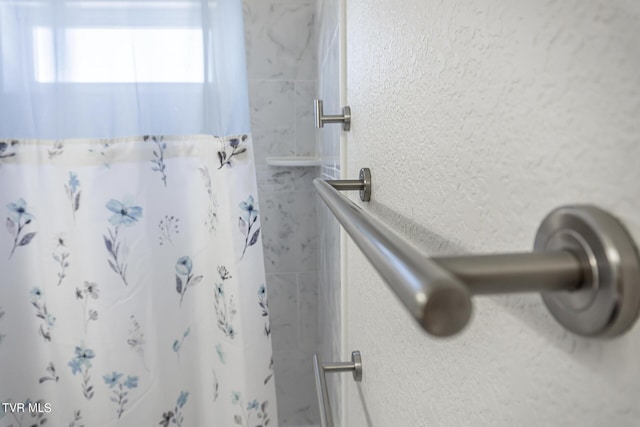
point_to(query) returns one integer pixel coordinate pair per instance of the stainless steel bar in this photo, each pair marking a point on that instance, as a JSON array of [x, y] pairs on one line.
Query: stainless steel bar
[[346, 184], [517, 272], [339, 367], [440, 302], [324, 405], [418, 280], [585, 264], [332, 119], [318, 112]]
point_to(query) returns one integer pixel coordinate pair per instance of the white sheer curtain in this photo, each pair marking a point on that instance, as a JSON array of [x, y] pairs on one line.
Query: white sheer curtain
[[132, 285], [98, 68]]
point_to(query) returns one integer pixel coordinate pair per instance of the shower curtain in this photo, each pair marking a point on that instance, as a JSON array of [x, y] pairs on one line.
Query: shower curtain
[[132, 288]]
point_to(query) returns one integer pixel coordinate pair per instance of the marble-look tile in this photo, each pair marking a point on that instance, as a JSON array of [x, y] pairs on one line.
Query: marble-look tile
[[290, 231], [305, 127], [276, 178], [283, 311], [273, 118], [295, 388], [281, 59], [279, 37], [303, 178], [271, 178], [308, 311]]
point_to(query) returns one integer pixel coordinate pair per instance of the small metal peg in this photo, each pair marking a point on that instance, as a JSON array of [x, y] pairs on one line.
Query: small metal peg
[[363, 185], [321, 119]]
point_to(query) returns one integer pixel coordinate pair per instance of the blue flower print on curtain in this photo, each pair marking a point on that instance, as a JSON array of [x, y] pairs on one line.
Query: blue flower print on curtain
[[47, 320], [81, 363], [5, 149], [225, 307], [177, 344], [175, 416], [61, 257], [57, 148], [225, 155], [184, 266], [90, 290], [216, 386], [136, 340], [120, 389], [264, 305], [73, 193], [246, 222], [169, 226], [19, 218], [251, 408], [221, 354], [103, 152], [51, 374], [124, 215], [158, 156], [77, 417], [212, 212], [270, 375]]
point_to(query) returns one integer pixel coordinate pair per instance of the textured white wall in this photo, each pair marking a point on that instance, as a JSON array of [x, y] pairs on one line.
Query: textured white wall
[[477, 118]]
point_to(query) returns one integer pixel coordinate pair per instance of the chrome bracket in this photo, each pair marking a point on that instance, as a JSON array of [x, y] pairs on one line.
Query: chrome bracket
[[363, 184], [321, 119], [608, 302], [355, 367]]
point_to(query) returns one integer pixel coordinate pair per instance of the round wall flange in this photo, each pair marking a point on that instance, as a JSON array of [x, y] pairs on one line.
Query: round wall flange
[[346, 114], [356, 359], [365, 177], [608, 302]]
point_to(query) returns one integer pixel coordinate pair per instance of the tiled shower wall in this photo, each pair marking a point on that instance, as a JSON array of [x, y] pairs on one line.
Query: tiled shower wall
[[328, 54], [281, 61]]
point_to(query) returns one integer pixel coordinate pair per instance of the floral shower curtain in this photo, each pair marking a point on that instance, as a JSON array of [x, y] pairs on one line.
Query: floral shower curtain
[[132, 287]]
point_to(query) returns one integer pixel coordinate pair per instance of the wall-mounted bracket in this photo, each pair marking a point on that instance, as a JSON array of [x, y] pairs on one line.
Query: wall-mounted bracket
[[321, 119], [608, 300], [363, 184], [355, 367]]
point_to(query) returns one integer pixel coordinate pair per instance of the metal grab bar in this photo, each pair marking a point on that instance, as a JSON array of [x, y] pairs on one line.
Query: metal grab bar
[[585, 263], [324, 405]]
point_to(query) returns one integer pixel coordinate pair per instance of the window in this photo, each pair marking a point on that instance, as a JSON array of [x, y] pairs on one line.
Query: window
[[119, 55], [92, 41]]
